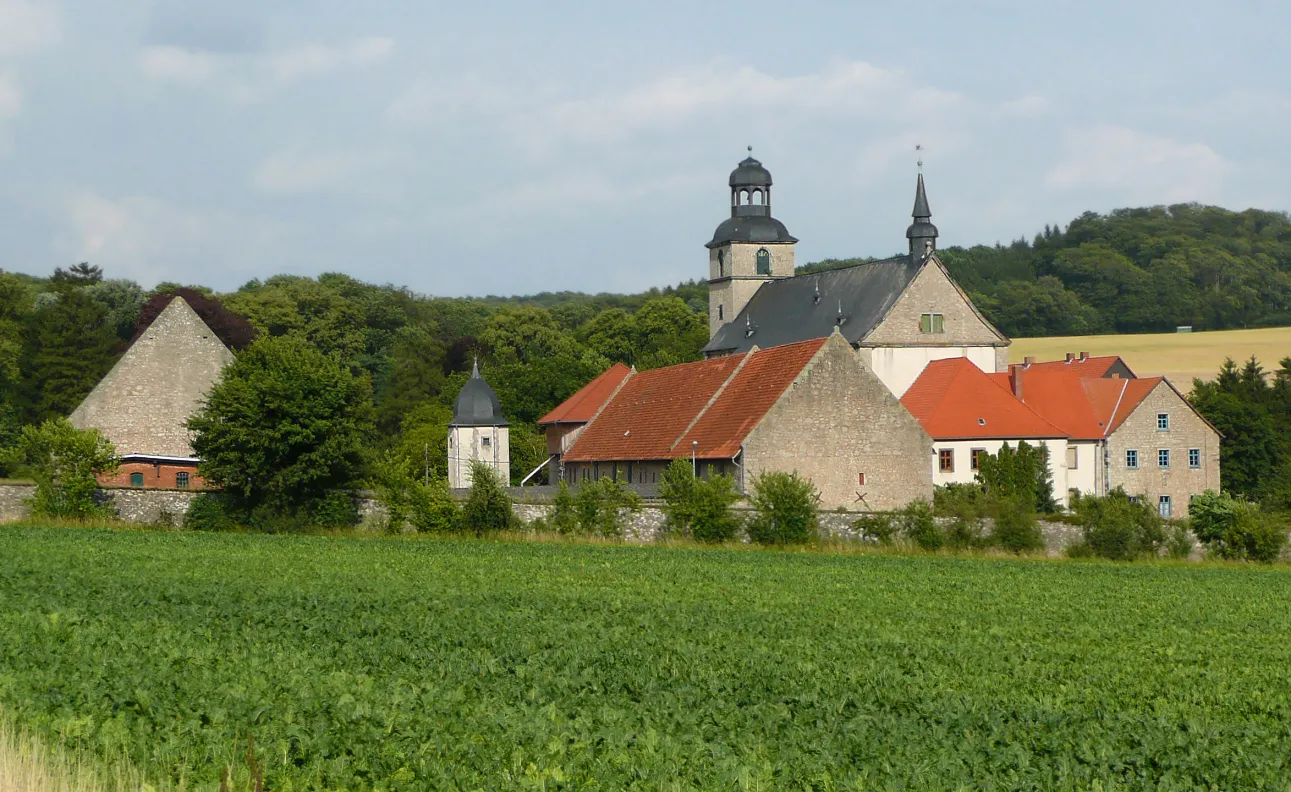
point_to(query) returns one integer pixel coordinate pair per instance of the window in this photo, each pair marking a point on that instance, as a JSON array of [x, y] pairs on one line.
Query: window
[[486, 441], [1163, 422], [764, 261], [932, 323], [1164, 507], [721, 313], [1194, 458], [181, 479], [721, 263], [946, 460], [136, 479], [1132, 459], [1163, 458], [974, 458], [1073, 457], [1134, 499]]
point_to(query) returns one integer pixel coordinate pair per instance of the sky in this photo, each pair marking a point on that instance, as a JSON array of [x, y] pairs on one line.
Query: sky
[[508, 148]]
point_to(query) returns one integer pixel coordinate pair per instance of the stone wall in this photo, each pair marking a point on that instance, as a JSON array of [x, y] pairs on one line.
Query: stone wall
[[933, 291], [839, 426], [151, 507]]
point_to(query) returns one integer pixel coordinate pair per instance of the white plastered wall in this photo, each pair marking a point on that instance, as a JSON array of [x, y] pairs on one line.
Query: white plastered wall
[[963, 456], [488, 444], [899, 367]]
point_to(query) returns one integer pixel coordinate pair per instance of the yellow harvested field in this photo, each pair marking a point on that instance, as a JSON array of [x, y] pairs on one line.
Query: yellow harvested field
[[1179, 356]]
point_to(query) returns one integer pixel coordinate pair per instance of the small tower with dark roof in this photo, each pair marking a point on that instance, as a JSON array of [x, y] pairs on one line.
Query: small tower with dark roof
[[749, 248], [478, 432], [921, 233]]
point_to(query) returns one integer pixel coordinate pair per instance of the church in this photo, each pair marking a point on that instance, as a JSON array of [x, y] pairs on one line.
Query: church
[[801, 372]]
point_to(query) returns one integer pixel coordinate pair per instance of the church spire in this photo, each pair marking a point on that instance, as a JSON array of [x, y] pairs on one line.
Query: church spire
[[921, 233]]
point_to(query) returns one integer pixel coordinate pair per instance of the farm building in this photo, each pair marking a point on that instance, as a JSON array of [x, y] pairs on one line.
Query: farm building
[[808, 407], [144, 402]]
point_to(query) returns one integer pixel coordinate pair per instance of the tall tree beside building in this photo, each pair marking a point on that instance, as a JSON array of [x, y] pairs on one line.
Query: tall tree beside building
[[68, 345]]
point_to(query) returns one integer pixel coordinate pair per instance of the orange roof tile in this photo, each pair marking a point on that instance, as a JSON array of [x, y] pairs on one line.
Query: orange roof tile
[[582, 406], [745, 399], [658, 414], [1085, 407], [953, 399], [1089, 367]]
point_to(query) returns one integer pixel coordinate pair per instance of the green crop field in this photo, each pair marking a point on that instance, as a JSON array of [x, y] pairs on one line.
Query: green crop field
[[437, 664], [1179, 356]]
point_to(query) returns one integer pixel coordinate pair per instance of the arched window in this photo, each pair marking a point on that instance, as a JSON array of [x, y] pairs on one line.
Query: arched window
[[136, 479], [764, 261], [721, 263], [757, 197]]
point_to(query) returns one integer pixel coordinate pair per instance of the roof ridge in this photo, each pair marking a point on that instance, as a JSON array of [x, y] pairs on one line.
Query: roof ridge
[[712, 399]]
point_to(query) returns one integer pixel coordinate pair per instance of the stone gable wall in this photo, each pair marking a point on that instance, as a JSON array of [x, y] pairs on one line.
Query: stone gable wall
[[1187, 430], [932, 291], [837, 421]]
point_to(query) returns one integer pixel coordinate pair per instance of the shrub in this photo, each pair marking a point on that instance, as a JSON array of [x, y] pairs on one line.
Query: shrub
[[564, 519], [879, 527], [1016, 529], [785, 509], [433, 509], [955, 499], [1079, 549], [965, 531], [698, 507], [335, 509], [65, 463], [1180, 543], [1018, 473], [919, 526], [487, 508], [599, 507], [1119, 528], [211, 511], [1237, 529]]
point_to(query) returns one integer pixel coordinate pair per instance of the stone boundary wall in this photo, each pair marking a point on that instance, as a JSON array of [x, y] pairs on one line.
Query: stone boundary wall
[[167, 507]]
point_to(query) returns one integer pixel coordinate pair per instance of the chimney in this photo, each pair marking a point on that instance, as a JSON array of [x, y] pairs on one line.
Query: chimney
[[1029, 359], [1015, 380], [1071, 356], [1084, 356]]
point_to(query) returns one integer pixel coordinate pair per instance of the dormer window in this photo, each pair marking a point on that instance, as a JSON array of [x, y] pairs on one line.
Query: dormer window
[[932, 323], [764, 261]]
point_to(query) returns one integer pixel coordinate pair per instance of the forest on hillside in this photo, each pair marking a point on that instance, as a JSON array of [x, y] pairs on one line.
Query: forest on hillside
[[1133, 270]]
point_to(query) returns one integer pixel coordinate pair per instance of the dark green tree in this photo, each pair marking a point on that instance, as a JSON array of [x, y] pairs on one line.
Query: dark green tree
[[68, 347], [285, 424]]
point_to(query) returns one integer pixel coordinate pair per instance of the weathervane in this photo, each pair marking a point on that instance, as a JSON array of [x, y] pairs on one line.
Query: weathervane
[[918, 147]]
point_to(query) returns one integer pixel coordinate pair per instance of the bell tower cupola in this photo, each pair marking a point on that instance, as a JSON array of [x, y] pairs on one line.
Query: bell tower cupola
[[921, 233], [749, 248]]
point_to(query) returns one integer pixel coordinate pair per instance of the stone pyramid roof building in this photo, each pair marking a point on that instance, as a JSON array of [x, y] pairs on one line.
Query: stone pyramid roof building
[[144, 402]]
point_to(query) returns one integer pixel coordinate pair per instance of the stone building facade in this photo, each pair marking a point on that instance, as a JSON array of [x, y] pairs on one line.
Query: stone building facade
[[478, 433], [143, 404]]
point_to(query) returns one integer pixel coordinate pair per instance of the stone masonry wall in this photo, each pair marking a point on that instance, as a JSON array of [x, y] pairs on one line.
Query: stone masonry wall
[[1187, 431], [836, 422], [932, 291]]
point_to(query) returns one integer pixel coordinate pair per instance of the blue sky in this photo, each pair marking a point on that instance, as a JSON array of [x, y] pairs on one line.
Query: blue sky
[[505, 147]]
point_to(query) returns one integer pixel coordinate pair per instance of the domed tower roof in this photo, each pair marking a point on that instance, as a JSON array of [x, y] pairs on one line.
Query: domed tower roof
[[477, 404], [751, 219], [750, 173]]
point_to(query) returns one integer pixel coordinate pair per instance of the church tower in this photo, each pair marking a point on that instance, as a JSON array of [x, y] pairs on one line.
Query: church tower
[[921, 233], [748, 249], [478, 432]]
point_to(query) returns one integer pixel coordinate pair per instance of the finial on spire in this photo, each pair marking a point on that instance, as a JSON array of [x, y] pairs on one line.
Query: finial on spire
[[750, 149], [918, 147]]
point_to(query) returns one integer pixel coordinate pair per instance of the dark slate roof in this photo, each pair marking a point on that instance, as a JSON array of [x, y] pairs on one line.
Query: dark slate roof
[[787, 311], [477, 404], [751, 228], [750, 173]]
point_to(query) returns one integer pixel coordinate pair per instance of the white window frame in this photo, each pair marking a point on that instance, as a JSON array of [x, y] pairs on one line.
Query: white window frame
[[1165, 506]]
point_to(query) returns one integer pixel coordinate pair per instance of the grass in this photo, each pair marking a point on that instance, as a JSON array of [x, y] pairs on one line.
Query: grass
[[1178, 356], [27, 765], [447, 664]]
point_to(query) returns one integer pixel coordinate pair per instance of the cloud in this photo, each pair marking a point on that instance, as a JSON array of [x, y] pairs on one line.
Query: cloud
[[150, 241], [26, 26], [251, 76], [1140, 166], [10, 95], [296, 172], [844, 89]]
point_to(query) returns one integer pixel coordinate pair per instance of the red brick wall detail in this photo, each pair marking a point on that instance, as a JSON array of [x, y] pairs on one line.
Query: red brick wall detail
[[154, 476]]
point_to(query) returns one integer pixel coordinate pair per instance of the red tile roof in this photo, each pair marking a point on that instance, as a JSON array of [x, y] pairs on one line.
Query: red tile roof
[[582, 406], [1089, 367], [953, 399], [658, 414], [1086, 407]]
